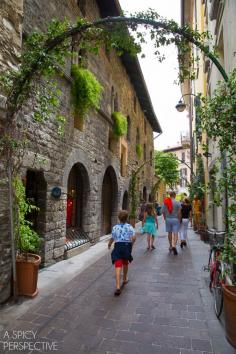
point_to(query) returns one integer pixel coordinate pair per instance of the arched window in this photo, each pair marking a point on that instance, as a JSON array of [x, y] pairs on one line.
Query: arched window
[[145, 127], [116, 103], [112, 99], [135, 104], [82, 6], [128, 128], [123, 161], [144, 152], [151, 157], [137, 137]]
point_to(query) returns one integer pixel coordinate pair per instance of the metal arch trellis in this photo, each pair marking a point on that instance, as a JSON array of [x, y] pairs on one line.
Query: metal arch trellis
[[52, 43], [11, 105]]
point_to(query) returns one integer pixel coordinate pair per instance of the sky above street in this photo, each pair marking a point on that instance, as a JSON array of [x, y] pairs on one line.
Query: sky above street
[[160, 77]]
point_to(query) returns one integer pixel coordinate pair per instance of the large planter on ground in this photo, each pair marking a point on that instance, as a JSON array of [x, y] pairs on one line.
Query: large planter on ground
[[27, 267], [202, 231], [230, 313], [204, 235]]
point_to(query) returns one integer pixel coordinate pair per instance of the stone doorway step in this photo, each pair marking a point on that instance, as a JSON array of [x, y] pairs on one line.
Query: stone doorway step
[[77, 241]]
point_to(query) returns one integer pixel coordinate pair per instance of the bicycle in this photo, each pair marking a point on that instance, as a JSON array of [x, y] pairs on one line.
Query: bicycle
[[216, 268]]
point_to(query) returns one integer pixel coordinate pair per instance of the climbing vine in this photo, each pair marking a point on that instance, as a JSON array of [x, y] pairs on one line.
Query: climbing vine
[[218, 116], [133, 195], [27, 239], [198, 187]]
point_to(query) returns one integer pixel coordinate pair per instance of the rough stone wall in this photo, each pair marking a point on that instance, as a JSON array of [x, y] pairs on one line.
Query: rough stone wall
[[10, 39], [89, 146]]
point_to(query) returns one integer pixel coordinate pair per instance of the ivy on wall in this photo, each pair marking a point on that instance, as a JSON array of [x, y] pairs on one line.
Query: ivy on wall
[[27, 239], [198, 187], [218, 115]]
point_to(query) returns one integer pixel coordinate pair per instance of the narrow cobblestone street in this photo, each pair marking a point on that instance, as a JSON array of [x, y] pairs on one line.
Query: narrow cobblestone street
[[166, 307]]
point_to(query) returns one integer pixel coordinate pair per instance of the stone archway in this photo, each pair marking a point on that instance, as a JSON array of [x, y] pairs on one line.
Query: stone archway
[[125, 201], [109, 200], [36, 192], [77, 196]]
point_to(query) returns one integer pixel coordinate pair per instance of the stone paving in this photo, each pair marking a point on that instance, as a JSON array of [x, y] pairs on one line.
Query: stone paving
[[165, 308]]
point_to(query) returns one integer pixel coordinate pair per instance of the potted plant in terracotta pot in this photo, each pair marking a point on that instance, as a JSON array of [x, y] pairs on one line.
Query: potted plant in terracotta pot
[[27, 245], [202, 229]]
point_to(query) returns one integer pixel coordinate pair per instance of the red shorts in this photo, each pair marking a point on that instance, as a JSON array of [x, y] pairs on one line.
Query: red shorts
[[119, 262]]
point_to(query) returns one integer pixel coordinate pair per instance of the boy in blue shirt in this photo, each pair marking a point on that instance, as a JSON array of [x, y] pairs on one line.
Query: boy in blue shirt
[[123, 235]]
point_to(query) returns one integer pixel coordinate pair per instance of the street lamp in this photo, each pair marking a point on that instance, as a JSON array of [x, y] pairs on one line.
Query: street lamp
[[181, 106]]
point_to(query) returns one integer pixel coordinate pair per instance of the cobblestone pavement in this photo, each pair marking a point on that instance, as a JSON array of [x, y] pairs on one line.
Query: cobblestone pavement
[[165, 308]]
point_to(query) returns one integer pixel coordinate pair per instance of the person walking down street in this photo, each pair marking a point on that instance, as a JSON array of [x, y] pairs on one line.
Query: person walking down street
[[186, 216], [172, 214], [150, 225], [123, 234]]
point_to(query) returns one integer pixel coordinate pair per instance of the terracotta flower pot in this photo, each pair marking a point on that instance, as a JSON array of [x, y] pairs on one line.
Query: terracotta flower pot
[[201, 233], [206, 237], [27, 274], [230, 313]]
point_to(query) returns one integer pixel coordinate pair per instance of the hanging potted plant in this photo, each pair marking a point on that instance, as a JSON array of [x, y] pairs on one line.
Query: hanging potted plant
[[139, 150], [120, 124], [27, 244], [86, 93]]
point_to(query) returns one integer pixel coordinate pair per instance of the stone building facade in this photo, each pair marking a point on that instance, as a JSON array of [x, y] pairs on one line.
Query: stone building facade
[[217, 17], [91, 169]]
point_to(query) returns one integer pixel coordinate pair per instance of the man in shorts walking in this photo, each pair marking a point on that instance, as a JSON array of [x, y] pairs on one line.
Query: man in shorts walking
[[172, 214]]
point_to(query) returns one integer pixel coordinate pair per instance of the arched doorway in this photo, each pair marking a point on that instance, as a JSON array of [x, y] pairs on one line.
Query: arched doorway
[[109, 200], [145, 194], [77, 196], [125, 201], [36, 192]]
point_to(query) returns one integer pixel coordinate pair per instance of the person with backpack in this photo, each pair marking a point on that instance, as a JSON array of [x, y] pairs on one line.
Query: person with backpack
[[172, 214], [123, 234]]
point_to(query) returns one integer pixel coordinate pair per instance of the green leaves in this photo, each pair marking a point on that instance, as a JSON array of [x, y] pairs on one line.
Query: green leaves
[[139, 150], [166, 168], [120, 124], [86, 91], [218, 120], [27, 239], [133, 195], [198, 186], [121, 40]]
